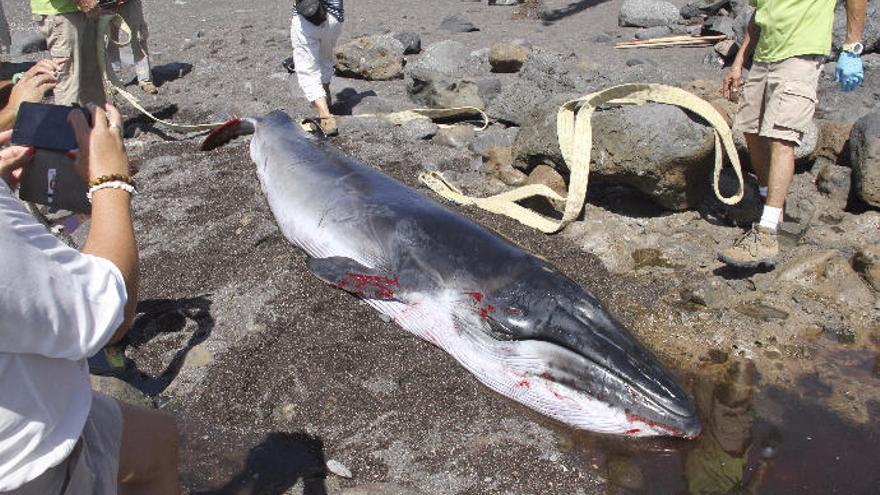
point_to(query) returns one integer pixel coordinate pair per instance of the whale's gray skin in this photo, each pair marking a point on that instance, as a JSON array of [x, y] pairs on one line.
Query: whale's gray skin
[[521, 327]]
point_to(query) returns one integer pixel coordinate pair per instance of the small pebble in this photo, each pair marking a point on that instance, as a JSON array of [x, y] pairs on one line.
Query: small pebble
[[338, 468]]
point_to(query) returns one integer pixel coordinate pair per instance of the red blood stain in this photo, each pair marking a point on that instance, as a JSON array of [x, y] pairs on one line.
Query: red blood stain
[[478, 298], [523, 383], [374, 285], [653, 424], [632, 432], [515, 311]]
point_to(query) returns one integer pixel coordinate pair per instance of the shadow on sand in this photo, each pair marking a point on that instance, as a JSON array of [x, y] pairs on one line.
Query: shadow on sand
[[157, 317], [278, 463], [551, 16]]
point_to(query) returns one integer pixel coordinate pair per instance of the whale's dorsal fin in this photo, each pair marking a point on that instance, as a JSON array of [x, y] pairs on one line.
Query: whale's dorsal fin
[[351, 276]]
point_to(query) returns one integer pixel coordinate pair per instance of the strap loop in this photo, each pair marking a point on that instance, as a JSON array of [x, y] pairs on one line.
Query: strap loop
[[575, 134]]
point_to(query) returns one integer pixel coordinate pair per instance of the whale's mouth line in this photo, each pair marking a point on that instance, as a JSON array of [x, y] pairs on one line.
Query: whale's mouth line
[[647, 395]]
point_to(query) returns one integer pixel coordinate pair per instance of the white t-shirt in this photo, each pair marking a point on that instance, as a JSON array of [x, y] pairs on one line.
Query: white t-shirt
[[57, 307]]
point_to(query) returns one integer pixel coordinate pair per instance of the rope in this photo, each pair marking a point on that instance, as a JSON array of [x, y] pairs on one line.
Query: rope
[[575, 134], [112, 84]]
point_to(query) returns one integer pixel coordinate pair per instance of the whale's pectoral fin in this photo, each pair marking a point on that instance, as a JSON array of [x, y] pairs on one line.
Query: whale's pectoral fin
[[353, 277]]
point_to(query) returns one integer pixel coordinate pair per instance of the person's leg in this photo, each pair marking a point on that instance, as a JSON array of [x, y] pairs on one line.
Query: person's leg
[[73, 37], [133, 13], [759, 156], [330, 31], [306, 40], [781, 171], [148, 458]]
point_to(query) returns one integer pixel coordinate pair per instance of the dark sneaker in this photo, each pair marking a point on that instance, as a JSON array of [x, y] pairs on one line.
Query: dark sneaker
[[759, 246]]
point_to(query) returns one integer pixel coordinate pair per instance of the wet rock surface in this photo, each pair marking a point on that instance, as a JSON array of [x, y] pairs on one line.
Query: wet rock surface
[[273, 374]]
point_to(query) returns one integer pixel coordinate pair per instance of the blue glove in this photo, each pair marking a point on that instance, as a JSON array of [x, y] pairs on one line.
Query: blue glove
[[849, 72]]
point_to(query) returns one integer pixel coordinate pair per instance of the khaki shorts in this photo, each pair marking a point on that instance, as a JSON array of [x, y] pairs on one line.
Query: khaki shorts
[[779, 98], [92, 468], [74, 37]]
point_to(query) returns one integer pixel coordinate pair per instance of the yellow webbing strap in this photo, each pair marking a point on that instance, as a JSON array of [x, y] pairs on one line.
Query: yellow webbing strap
[[574, 130], [112, 84], [455, 113]]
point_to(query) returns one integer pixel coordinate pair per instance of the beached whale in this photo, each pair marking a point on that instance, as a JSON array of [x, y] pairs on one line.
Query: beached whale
[[520, 326]]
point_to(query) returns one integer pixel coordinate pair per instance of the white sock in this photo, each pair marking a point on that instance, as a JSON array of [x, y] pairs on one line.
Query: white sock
[[770, 217], [762, 190]]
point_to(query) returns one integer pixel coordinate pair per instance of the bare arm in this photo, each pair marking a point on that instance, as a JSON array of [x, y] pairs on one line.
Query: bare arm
[[32, 87], [111, 234], [855, 20], [733, 80]]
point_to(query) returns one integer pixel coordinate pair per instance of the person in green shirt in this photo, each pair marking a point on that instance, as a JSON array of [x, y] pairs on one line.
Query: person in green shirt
[[71, 31], [790, 40]]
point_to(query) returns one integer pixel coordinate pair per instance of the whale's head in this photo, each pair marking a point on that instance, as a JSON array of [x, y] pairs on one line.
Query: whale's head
[[567, 357]]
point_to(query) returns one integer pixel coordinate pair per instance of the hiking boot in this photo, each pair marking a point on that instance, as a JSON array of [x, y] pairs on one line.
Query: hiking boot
[[328, 126], [148, 87], [759, 246]]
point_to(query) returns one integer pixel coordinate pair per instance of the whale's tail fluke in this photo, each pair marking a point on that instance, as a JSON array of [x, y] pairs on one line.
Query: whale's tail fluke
[[227, 132]]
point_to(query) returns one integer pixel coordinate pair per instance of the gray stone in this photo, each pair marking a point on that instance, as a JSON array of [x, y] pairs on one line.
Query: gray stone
[[456, 24], [444, 57], [435, 91], [726, 48], [494, 136], [542, 74], [457, 136], [653, 32], [741, 23], [647, 13], [722, 25], [24, 42], [834, 181], [670, 161], [864, 147], [374, 58], [871, 33], [412, 42], [690, 11], [708, 7], [417, 129]]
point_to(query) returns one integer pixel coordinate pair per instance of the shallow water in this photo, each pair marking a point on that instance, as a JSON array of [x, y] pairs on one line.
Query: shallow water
[[756, 438]]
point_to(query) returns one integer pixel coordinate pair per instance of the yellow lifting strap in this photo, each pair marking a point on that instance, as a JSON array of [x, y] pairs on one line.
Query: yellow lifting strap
[[574, 130], [112, 84]]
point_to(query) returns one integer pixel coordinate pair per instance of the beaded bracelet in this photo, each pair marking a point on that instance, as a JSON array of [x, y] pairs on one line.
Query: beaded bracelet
[[113, 184], [112, 177]]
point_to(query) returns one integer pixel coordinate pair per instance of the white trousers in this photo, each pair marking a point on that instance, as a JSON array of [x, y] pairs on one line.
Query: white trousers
[[313, 53], [5, 34]]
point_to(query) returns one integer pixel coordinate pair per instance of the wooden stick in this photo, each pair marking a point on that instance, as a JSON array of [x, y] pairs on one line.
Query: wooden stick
[[671, 39]]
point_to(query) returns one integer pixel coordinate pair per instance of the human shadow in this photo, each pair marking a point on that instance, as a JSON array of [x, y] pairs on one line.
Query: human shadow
[[551, 16], [278, 463], [170, 72], [348, 99], [143, 123], [9, 69], [162, 316]]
